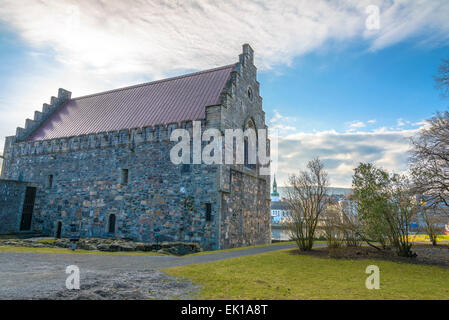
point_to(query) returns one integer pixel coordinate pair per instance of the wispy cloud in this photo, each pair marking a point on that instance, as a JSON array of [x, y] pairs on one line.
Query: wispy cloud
[[400, 122], [282, 124], [159, 37], [354, 125]]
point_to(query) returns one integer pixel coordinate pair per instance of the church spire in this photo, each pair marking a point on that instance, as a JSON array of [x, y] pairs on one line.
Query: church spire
[[275, 193]]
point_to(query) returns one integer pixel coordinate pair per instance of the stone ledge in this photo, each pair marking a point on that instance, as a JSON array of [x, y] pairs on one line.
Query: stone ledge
[[108, 245]]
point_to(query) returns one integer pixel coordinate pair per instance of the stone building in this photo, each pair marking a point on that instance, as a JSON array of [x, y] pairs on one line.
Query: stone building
[[102, 162]]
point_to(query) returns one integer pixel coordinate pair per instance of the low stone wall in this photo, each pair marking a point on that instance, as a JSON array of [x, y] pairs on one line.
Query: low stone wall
[[108, 245]]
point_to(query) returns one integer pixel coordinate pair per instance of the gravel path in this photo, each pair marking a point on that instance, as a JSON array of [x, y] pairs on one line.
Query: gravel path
[[42, 276]]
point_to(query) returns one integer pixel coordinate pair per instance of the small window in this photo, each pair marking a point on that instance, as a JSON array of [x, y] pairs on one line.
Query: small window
[[124, 177], [58, 229], [185, 168], [250, 94], [50, 181], [246, 155], [208, 212], [111, 225], [246, 152]]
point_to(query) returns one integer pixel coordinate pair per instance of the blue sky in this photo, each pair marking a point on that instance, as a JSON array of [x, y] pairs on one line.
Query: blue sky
[[357, 85], [332, 87]]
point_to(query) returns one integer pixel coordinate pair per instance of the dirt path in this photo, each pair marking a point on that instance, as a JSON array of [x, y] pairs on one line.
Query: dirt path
[[42, 276]]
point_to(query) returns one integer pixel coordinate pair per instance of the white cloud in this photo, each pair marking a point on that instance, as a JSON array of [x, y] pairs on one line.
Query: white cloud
[[160, 37], [400, 122], [371, 121], [354, 125], [282, 125], [342, 152], [402, 19]]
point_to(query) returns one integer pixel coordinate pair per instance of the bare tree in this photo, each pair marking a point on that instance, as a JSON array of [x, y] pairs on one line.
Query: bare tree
[[332, 226], [432, 218], [306, 199], [402, 208], [350, 224], [430, 160]]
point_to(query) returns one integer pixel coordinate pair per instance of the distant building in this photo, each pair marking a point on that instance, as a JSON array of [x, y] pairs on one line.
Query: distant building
[[437, 213], [279, 212], [279, 215], [349, 207]]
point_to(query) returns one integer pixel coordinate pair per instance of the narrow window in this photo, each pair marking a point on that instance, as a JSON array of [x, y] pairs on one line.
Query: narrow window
[[246, 153], [111, 228], [50, 181], [58, 229], [208, 212], [124, 177]]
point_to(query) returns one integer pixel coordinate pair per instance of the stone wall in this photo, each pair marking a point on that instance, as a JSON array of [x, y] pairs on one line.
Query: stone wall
[[12, 195], [86, 187], [245, 193], [244, 218]]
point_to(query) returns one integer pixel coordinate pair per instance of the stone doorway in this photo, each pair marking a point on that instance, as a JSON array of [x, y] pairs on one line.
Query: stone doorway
[[27, 210], [58, 229]]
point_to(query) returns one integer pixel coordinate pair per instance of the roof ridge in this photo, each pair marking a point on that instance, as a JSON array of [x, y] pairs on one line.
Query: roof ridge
[[154, 82]]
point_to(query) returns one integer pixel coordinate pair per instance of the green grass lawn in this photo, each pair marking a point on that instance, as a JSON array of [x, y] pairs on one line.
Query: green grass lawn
[[77, 251], [282, 275]]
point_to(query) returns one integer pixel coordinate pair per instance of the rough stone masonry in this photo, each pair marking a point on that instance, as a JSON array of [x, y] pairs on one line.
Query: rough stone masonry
[[102, 163]]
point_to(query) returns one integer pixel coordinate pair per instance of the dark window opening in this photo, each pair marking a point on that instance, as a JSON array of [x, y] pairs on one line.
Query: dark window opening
[[50, 181], [58, 229], [246, 156], [246, 162], [111, 227], [125, 176], [185, 168], [208, 212], [27, 210]]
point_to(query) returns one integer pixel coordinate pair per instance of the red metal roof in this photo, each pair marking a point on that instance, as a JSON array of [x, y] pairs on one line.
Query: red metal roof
[[182, 98]]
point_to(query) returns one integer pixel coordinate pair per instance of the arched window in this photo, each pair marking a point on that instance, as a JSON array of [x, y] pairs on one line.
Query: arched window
[[250, 94], [111, 224]]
